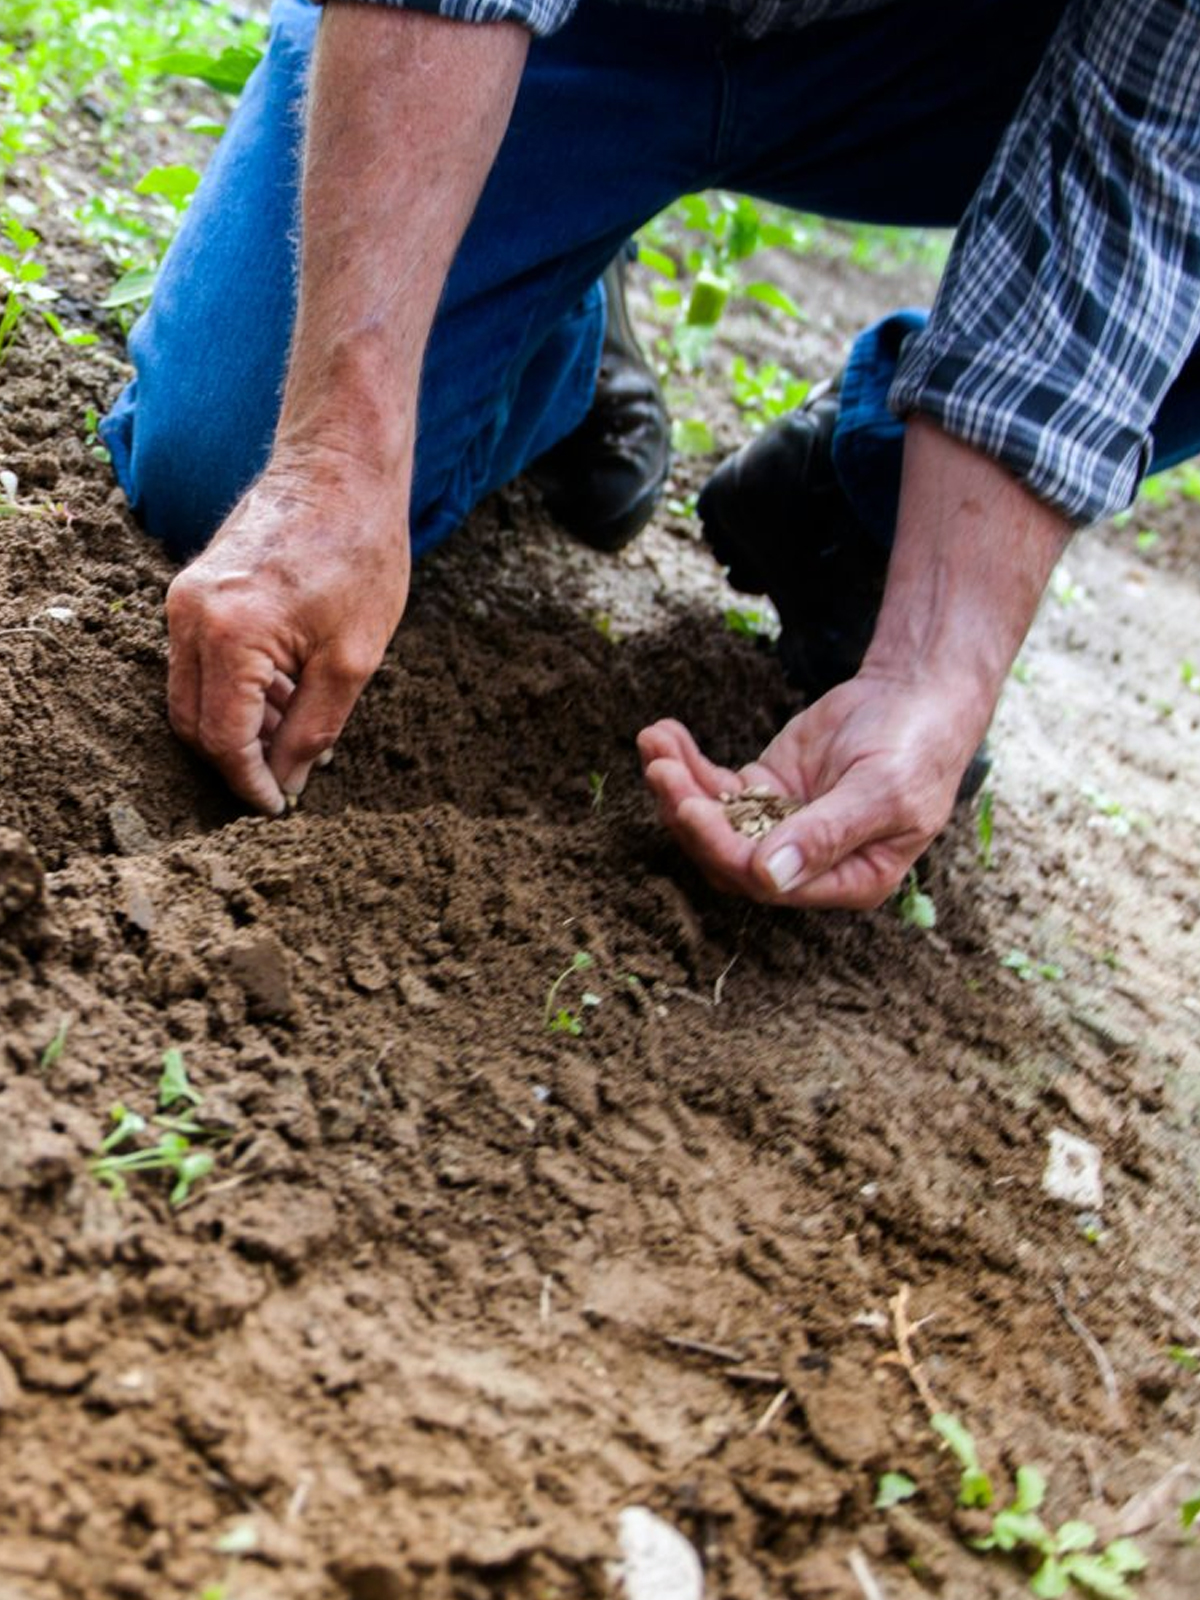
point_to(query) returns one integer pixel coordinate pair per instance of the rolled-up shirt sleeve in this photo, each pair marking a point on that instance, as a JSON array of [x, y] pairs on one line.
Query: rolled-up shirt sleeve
[[541, 17], [1072, 295]]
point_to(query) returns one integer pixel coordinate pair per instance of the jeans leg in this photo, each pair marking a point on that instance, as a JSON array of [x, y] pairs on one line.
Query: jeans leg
[[613, 119], [195, 425]]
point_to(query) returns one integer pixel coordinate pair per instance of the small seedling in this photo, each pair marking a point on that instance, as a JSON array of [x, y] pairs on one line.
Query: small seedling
[[692, 436], [974, 1485], [1189, 1511], [1021, 671], [1146, 539], [52, 1054], [894, 1487], [750, 624], [174, 1085], [985, 828], [1189, 675], [174, 1151], [1027, 969], [596, 782], [1066, 1556], [1182, 1356], [559, 1019], [916, 909]]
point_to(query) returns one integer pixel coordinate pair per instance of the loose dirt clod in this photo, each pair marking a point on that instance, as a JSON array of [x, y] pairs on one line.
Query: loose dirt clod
[[756, 810]]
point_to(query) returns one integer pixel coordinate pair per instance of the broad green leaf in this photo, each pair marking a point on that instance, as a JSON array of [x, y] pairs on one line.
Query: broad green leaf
[[894, 1487], [1031, 1489], [1049, 1581], [227, 72], [173, 182], [658, 261], [173, 1084], [1125, 1556], [1093, 1574], [957, 1437], [770, 294], [136, 284], [691, 436], [1074, 1536]]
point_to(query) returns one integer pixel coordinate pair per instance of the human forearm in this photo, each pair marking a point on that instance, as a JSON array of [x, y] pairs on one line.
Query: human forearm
[[974, 551], [407, 112]]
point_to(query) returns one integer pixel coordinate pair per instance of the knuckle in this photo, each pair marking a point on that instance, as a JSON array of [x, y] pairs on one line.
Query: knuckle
[[351, 664]]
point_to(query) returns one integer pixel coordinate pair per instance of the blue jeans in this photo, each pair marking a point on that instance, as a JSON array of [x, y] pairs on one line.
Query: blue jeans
[[887, 117]]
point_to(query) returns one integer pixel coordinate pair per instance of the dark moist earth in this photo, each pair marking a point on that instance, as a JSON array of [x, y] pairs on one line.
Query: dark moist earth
[[460, 1288]]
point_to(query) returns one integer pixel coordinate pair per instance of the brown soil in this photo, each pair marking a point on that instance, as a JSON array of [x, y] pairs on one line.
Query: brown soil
[[461, 1288]]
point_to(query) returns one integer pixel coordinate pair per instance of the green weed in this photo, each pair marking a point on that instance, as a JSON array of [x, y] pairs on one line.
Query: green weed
[[179, 1147], [560, 1019], [1065, 1556], [52, 1054], [748, 623], [915, 908], [1026, 968], [985, 828], [893, 1488]]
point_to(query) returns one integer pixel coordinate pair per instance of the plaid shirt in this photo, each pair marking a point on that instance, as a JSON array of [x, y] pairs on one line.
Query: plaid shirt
[[1072, 295]]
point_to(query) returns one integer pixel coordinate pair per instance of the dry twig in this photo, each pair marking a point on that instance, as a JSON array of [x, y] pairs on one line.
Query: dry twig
[[773, 1411], [903, 1355], [1095, 1349], [863, 1576]]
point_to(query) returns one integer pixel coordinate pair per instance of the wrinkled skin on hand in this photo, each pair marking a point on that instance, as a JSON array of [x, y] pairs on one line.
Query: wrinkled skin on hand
[[277, 626], [876, 763]]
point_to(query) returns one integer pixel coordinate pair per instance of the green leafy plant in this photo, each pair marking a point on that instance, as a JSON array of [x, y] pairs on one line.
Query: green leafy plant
[[974, 1485], [915, 908], [707, 238], [1065, 1556], [179, 1147], [560, 1019], [767, 392]]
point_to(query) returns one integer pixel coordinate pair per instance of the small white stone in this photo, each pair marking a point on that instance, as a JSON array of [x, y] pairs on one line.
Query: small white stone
[[60, 613], [657, 1562], [1072, 1172]]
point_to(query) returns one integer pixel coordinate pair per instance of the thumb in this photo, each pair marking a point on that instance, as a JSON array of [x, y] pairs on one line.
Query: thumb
[[315, 716], [822, 854]]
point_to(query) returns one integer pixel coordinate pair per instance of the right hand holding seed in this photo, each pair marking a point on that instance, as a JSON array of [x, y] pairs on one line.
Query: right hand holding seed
[[277, 626], [859, 785]]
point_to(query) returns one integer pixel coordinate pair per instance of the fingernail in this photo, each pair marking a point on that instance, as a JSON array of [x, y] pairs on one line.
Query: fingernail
[[784, 866], [293, 784], [325, 758]]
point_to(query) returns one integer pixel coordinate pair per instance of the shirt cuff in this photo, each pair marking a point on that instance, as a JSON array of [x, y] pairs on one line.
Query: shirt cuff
[[1027, 416], [541, 17]]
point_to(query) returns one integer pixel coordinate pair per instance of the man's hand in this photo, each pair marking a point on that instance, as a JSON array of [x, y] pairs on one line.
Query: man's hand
[[876, 762], [278, 625], [875, 766]]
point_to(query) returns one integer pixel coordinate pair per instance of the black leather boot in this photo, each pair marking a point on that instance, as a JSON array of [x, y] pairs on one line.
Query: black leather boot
[[603, 481], [775, 514]]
